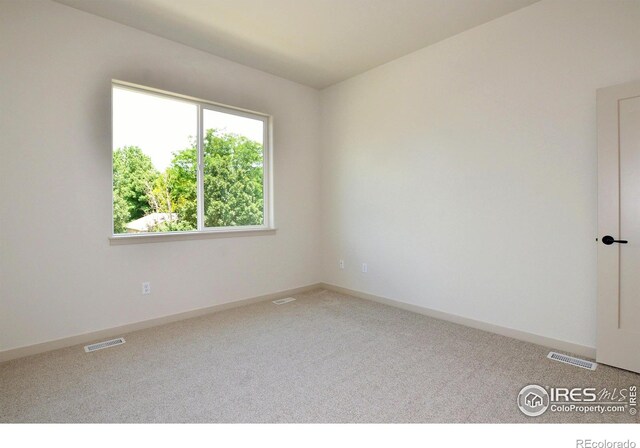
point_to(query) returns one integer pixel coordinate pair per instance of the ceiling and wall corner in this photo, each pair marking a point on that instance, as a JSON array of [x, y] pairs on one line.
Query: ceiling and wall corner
[[313, 42]]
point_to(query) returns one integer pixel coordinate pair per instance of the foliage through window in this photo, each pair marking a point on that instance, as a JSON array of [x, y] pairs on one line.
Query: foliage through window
[[181, 164]]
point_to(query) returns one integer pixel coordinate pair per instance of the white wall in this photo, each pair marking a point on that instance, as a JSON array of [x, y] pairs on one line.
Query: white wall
[[464, 174], [58, 274]]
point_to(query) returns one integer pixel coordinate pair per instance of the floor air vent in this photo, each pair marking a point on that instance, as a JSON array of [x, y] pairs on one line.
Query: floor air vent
[[573, 361], [283, 301], [105, 344]]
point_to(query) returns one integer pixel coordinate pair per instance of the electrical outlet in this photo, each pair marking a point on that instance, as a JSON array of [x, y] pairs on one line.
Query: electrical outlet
[[365, 268], [341, 264], [146, 288]]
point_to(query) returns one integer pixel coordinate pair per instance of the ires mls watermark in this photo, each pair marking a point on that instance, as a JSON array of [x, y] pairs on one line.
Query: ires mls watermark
[[535, 400]]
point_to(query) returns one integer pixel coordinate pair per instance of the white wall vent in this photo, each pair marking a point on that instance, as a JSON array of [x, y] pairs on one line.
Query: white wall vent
[[105, 344], [283, 301], [572, 361]]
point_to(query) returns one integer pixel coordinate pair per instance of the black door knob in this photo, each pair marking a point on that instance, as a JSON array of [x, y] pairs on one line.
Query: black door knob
[[609, 240]]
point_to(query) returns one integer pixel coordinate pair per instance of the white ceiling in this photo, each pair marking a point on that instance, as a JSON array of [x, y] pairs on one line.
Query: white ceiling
[[314, 42]]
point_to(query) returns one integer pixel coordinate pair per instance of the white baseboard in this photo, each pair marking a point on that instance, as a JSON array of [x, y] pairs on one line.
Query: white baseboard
[[569, 347], [85, 338]]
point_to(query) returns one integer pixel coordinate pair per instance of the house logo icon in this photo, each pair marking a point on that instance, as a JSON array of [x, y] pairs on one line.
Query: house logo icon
[[533, 400]]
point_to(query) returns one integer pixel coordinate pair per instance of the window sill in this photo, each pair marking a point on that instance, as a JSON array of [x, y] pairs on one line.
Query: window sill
[[138, 238]]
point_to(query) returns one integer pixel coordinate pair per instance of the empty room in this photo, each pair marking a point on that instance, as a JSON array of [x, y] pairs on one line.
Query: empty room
[[321, 211]]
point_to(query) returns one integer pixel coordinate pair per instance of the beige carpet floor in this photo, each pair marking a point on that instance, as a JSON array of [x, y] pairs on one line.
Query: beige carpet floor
[[324, 358]]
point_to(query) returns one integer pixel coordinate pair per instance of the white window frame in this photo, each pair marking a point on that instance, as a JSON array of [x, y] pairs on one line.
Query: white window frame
[[202, 231]]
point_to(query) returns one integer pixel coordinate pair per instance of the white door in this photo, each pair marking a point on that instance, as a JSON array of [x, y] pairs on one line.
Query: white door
[[618, 341]]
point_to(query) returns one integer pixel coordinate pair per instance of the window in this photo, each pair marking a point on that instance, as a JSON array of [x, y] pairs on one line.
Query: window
[[186, 165]]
